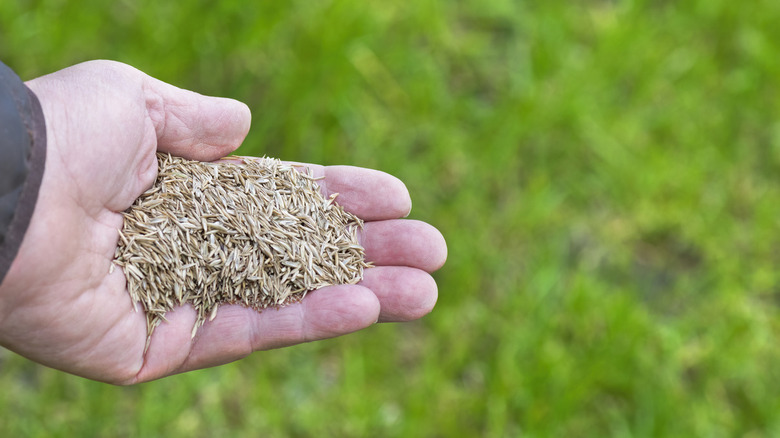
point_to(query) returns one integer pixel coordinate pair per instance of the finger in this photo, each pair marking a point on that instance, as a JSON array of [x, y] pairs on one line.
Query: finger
[[237, 331], [194, 126], [404, 294], [326, 313], [367, 193], [403, 242]]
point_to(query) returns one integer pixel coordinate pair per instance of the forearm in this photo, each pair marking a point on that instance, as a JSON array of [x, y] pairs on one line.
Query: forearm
[[22, 161]]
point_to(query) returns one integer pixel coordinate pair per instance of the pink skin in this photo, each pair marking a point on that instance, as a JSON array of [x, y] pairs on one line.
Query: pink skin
[[60, 306]]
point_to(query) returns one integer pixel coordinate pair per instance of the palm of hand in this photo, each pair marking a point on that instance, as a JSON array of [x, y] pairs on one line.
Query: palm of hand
[[60, 306]]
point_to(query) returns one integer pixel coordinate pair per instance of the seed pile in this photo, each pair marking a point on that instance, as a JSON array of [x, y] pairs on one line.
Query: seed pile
[[255, 232]]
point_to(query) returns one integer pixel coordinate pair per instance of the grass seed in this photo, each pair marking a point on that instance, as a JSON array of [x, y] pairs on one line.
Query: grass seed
[[255, 232]]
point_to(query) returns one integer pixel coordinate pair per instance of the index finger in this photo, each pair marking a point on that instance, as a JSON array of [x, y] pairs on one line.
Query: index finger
[[367, 193]]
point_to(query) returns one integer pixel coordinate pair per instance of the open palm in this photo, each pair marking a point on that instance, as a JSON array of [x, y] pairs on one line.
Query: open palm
[[60, 306]]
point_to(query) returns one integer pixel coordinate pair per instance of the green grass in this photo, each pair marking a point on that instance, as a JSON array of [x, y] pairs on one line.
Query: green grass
[[606, 173]]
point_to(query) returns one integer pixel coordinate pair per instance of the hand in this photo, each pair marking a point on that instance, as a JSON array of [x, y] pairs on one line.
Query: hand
[[60, 306]]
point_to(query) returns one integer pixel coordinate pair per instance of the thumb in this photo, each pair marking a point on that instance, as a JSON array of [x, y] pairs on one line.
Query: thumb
[[194, 126]]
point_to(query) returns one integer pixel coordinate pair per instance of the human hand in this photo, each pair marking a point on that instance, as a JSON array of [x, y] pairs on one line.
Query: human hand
[[60, 306]]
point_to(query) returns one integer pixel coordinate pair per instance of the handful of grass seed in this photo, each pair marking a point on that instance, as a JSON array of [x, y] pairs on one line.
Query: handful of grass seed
[[255, 232]]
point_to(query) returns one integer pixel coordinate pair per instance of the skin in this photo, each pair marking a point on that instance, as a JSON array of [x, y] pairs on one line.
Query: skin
[[59, 305]]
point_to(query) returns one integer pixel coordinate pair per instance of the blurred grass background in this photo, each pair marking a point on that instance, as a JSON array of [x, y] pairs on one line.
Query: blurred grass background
[[606, 173]]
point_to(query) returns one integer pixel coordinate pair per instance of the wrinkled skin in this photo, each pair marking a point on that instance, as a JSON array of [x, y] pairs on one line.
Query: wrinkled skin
[[60, 306]]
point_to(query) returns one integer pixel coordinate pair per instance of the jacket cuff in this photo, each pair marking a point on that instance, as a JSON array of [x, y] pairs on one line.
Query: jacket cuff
[[22, 162]]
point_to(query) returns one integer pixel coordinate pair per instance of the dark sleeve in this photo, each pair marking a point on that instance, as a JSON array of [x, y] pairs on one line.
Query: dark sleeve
[[22, 160]]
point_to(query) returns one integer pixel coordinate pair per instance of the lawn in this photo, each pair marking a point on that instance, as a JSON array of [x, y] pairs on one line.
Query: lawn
[[606, 173]]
